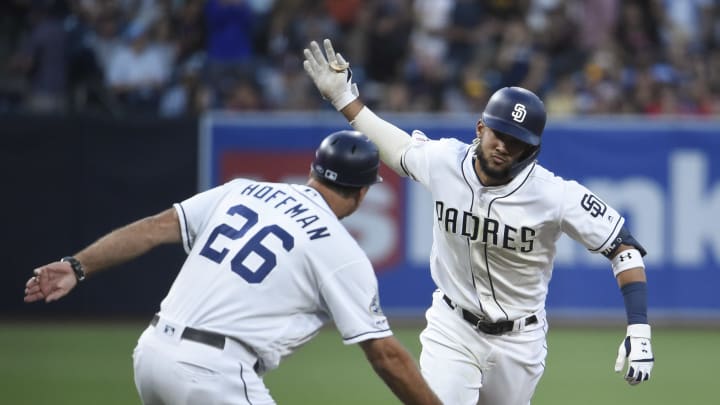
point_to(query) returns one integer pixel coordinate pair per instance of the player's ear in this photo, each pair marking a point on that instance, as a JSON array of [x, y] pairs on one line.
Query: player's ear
[[478, 128]]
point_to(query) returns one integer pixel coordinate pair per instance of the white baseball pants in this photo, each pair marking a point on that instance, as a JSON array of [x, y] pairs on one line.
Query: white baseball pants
[[174, 371], [467, 367]]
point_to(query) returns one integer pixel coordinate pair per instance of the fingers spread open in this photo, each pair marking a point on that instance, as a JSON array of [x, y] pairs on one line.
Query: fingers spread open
[[329, 51], [317, 54], [308, 66]]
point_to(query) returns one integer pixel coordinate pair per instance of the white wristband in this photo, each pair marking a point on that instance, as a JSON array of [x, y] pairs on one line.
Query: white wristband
[[343, 100], [626, 260], [640, 330]]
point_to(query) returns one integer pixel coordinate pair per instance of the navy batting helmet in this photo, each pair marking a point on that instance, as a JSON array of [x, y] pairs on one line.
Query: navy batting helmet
[[517, 112], [347, 158]]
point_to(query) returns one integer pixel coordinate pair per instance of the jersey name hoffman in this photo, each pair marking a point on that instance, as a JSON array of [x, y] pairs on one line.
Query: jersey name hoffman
[[289, 206], [485, 230]]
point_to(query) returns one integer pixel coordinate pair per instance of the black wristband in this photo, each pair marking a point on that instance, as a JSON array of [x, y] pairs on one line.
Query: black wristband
[[635, 296], [76, 267]]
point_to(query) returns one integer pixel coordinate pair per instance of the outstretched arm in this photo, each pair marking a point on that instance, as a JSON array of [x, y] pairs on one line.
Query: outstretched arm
[[397, 368], [333, 78], [636, 348], [55, 280]]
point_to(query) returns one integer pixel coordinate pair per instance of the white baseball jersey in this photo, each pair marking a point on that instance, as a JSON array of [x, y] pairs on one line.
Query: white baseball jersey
[[268, 264], [493, 247]]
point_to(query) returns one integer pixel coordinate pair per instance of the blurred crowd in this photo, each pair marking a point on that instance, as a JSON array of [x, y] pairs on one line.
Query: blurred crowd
[[182, 57]]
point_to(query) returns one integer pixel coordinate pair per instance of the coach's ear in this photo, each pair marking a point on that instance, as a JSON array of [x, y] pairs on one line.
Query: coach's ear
[[361, 195]]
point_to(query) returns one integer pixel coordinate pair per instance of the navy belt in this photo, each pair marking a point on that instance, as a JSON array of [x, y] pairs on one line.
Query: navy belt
[[491, 328], [200, 336]]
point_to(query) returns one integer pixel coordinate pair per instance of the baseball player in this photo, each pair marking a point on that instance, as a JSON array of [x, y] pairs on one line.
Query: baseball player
[[268, 265], [498, 215]]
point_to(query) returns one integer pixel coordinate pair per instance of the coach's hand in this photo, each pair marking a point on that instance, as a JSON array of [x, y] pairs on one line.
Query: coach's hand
[[637, 349], [332, 75], [50, 283]]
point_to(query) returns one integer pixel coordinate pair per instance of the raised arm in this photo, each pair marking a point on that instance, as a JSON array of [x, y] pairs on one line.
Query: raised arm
[[333, 78], [397, 368], [55, 280]]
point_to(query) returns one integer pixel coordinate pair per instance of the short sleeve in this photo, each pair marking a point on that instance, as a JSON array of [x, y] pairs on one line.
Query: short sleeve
[[195, 212], [415, 161], [351, 294], [588, 219]]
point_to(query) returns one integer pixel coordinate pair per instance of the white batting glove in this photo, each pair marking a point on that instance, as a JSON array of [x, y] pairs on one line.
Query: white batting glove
[[332, 75], [637, 349]]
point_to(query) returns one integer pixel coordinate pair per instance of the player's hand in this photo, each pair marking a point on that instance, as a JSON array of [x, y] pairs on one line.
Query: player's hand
[[50, 283], [637, 349], [332, 75]]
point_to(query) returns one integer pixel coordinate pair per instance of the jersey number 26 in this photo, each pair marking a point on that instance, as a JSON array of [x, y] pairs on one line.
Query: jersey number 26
[[253, 245]]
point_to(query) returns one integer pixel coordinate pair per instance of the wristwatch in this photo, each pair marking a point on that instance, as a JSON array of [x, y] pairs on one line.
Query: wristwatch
[[76, 266]]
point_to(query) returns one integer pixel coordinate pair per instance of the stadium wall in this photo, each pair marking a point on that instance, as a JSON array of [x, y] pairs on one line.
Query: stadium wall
[[69, 180]]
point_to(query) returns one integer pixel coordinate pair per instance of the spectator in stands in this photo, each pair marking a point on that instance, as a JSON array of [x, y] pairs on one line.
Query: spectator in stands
[[345, 13], [387, 31], [106, 38], [518, 61], [601, 80], [467, 33], [244, 95], [595, 21], [189, 29], [559, 40], [188, 95], [283, 82], [138, 70], [616, 54], [41, 57], [13, 16], [638, 30], [690, 21], [229, 25], [429, 47]]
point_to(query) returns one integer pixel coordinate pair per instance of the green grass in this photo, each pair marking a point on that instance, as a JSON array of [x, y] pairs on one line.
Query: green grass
[[90, 363]]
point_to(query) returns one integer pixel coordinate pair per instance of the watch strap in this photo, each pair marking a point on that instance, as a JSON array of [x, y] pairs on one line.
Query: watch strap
[[77, 267]]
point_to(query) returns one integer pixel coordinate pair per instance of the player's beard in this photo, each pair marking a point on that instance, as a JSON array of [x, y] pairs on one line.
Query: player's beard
[[497, 174]]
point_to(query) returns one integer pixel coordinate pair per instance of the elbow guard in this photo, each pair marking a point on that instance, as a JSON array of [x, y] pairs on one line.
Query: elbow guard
[[623, 238]]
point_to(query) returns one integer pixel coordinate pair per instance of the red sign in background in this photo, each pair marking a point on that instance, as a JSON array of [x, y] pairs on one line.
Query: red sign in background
[[377, 225]]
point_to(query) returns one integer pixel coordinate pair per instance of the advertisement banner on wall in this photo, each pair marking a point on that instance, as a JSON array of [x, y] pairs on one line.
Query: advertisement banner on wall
[[662, 175]]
